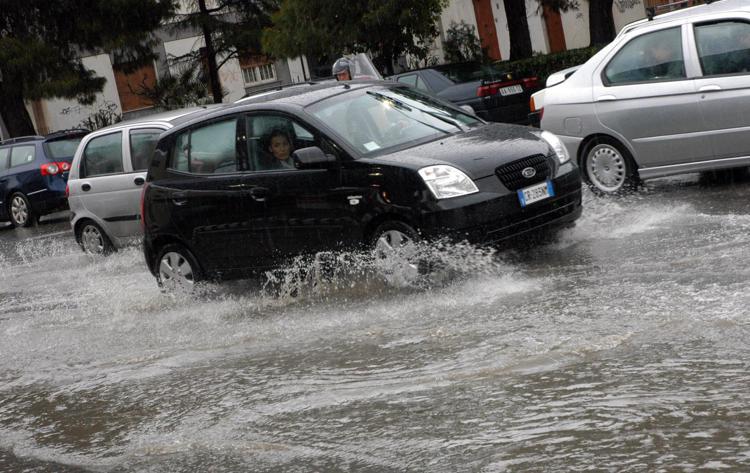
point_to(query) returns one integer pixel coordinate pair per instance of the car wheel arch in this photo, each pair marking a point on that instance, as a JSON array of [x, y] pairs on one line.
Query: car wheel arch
[[378, 220], [165, 240]]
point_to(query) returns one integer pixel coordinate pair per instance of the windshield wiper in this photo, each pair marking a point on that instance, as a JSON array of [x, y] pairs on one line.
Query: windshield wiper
[[395, 103], [391, 101]]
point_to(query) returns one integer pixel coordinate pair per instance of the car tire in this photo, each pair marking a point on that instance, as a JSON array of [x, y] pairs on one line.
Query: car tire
[[395, 254], [19, 211], [177, 269], [608, 168], [93, 240]]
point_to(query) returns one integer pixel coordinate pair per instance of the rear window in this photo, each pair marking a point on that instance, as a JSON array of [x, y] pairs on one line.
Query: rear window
[[65, 148], [470, 72]]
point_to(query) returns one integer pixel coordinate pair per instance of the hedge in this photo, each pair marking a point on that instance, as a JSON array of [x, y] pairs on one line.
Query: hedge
[[542, 65]]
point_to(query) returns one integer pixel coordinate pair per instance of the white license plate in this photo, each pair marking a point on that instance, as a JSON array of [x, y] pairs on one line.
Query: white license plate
[[511, 90], [535, 193]]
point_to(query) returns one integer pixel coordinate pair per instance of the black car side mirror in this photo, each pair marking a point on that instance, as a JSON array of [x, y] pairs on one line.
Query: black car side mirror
[[312, 157]]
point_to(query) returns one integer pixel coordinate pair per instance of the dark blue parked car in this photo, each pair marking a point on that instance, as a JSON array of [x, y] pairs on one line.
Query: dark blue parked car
[[33, 175]]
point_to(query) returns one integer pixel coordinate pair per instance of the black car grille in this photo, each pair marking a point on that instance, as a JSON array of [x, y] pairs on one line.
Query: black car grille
[[511, 177]]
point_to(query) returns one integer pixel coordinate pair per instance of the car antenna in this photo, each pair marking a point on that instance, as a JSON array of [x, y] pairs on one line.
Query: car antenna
[[650, 12]]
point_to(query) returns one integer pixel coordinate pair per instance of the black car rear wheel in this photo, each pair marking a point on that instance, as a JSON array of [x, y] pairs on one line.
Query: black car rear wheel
[[395, 250], [20, 211], [177, 269]]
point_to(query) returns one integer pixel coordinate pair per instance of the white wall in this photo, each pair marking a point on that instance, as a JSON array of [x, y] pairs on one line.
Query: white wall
[[576, 26], [53, 108]]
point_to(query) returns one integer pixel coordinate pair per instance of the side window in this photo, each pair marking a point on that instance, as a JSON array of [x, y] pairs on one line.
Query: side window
[[273, 138], [142, 144], [103, 155], [4, 152], [21, 155], [410, 79], [210, 149], [724, 47], [649, 57], [421, 85]]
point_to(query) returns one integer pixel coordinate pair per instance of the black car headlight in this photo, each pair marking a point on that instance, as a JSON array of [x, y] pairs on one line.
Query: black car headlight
[[446, 181], [557, 146]]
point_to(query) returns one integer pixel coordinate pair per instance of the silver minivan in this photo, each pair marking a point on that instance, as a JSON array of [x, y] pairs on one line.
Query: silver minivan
[[107, 177], [669, 95]]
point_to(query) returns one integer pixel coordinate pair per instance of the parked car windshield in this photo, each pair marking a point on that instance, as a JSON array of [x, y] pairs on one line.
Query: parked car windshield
[[377, 119], [65, 148], [471, 71]]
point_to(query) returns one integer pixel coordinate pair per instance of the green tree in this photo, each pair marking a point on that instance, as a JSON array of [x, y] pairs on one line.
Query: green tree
[[388, 28], [230, 28], [41, 43], [462, 44], [184, 86]]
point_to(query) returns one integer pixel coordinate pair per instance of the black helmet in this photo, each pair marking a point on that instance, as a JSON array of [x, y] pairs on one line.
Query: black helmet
[[342, 65]]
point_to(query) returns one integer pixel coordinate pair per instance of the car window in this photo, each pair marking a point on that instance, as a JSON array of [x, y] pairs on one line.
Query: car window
[[103, 155], [4, 152], [649, 57], [272, 139], [142, 144], [21, 155], [723, 47], [411, 79], [421, 85], [209, 149], [382, 118], [64, 148]]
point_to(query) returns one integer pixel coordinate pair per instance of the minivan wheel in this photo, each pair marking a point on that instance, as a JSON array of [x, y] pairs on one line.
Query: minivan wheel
[[177, 269], [20, 210], [608, 167], [93, 240], [394, 246]]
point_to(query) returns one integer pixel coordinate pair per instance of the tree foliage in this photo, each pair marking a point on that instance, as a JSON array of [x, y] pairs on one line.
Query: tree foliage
[[387, 28], [41, 42], [184, 86], [462, 44], [230, 28]]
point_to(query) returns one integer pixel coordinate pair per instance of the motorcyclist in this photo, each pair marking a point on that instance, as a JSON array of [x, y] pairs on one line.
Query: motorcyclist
[[342, 69]]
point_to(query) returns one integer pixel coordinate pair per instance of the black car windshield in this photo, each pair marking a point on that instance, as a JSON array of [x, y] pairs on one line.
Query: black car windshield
[[64, 148], [378, 119]]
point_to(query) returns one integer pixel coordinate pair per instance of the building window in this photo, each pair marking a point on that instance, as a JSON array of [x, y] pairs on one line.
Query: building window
[[257, 70]]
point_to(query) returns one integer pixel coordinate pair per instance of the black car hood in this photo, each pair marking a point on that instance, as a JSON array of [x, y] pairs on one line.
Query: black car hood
[[477, 152]]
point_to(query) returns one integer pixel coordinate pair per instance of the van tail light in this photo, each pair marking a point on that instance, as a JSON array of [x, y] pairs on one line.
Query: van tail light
[[52, 169], [143, 207]]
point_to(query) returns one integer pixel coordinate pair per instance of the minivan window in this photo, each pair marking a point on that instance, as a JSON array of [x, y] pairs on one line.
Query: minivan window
[[210, 149], [142, 144], [377, 119], [103, 155], [649, 57], [4, 152], [21, 155], [723, 47]]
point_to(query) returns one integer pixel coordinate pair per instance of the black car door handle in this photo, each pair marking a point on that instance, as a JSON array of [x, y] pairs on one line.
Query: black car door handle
[[259, 193], [85, 187], [138, 181], [179, 199]]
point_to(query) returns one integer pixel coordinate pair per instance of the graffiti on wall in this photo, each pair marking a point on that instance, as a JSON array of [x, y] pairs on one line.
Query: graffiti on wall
[[623, 5]]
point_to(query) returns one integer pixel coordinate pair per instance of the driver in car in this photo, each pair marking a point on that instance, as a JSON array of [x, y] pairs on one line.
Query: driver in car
[[280, 147]]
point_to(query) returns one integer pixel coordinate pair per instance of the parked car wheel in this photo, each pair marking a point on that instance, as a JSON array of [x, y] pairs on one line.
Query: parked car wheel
[[608, 167], [177, 269], [93, 240], [20, 212], [395, 251]]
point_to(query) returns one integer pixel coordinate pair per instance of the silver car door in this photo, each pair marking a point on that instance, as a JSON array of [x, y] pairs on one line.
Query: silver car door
[[643, 93], [724, 51]]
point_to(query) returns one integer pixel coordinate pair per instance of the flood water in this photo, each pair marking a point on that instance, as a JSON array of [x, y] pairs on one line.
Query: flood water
[[620, 346]]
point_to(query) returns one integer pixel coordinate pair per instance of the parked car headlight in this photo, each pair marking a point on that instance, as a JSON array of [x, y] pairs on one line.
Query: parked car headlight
[[557, 146], [446, 181]]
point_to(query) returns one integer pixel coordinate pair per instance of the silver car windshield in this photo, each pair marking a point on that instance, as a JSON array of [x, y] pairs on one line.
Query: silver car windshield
[[377, 119]]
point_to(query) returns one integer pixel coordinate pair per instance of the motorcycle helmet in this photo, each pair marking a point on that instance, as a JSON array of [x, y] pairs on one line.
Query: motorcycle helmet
[[342, 69]]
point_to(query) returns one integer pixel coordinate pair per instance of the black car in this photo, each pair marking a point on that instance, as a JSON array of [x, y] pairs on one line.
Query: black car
[[493, 93], [343, 165], [34, 174]]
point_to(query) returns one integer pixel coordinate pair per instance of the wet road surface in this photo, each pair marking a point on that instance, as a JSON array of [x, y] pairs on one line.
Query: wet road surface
[[620, 346]]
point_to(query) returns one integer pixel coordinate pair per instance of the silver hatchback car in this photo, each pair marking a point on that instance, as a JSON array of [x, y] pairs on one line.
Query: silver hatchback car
[[107, 176], [668, 96]]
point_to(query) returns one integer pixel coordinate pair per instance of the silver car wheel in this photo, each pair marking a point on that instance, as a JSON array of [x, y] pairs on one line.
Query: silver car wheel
[[175, 271], [606, 167], [92, 240], [393, 252], [19, 210]]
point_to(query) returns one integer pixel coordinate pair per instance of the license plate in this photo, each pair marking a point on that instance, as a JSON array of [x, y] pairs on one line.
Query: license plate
[[511, 90], [535, 193]]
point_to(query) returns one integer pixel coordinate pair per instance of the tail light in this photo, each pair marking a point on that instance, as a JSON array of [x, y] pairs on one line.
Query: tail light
[[143, 207], [52, 169], [67, 190], [493, 88], [531, 82]]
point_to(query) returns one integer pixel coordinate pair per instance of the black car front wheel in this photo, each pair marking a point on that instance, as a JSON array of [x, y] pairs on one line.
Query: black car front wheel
[[396, 253], [20, 211], [177, 269]]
